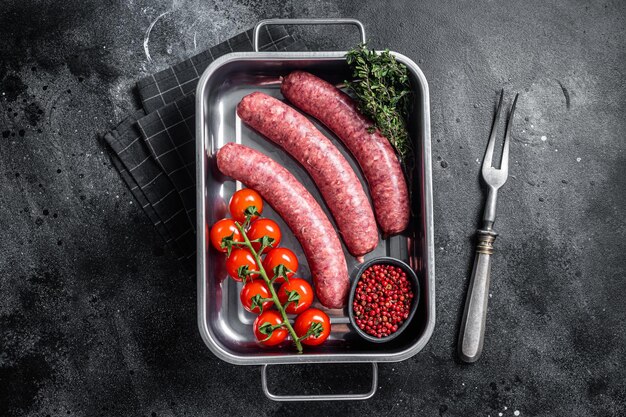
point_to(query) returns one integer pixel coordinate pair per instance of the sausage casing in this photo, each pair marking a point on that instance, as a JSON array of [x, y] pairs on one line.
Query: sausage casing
[[341, 189], [375, 155], [301, 212]]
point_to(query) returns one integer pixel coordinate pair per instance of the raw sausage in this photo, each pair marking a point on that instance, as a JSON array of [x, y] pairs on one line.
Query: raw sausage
[[374, 153], [301, 212], [331, 172]]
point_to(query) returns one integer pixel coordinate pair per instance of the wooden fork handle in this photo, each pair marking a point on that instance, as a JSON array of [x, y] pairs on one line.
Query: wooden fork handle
[[472, 333]]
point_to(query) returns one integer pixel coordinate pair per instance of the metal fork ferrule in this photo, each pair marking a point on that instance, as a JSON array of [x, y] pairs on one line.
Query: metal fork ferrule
[[485, 241]]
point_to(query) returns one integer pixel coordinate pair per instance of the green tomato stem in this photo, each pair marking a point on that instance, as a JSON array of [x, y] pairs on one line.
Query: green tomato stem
[[263, 274]]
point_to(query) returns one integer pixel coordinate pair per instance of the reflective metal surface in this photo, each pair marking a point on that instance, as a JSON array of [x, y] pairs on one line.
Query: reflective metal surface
[[315, 21], [472, 330], [224, 325], [324, 397]]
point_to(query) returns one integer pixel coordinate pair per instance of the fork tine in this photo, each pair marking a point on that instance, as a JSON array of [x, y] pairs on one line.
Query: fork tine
[[504, 165], [492, 137]]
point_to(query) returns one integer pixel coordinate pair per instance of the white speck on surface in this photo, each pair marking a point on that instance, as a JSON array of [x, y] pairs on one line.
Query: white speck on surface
[[463, 383], [544, 138], [490, 295], [578, 159], [516, 413], [500, 414], [505, 407], [556, 150], [532, 125]]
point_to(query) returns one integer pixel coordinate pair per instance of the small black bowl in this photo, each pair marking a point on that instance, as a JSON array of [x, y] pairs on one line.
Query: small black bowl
[[411, 275]]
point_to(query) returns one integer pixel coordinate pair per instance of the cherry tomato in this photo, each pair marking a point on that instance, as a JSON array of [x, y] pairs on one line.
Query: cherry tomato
[[238, 258], [264, 227], [224, 229], [304, 294], [278, 256], [272, 317], [250, 291], [316, 318], [243, 199]]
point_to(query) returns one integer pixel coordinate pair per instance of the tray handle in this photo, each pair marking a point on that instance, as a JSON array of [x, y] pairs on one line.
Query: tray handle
[[333, 21], [326, 397]]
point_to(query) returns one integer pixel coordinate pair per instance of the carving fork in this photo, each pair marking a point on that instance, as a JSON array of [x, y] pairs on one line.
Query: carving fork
[[472, 333]]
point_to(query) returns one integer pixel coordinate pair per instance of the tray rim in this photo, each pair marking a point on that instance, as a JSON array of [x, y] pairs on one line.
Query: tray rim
[[203, 327]]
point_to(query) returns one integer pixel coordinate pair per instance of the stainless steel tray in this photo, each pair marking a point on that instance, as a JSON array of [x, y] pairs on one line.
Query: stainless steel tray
[[224, 325]]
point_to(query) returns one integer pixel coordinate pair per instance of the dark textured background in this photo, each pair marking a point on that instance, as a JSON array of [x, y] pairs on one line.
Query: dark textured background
[[97, 319]]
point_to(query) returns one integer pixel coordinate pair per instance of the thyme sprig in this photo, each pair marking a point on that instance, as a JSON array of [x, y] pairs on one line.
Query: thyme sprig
[[382, 90]]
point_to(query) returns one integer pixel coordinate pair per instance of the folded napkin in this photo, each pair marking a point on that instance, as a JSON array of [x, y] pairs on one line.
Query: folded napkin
[[154, 148]]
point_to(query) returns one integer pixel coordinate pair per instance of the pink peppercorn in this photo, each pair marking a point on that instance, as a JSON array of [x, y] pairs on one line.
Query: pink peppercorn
[[382, 300]]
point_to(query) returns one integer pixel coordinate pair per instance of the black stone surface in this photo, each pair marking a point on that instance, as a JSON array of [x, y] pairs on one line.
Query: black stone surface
[[97, 319]]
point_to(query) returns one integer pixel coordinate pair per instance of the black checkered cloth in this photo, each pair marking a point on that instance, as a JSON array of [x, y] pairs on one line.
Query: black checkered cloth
[[154, 149]]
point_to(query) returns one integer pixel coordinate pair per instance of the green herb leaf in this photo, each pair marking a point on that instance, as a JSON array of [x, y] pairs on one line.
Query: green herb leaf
[[243, 271], [227, 242], [315, 329], [292, 297], [257, 301], [267, 329], [251, 211], [382, 90], [266, 242], [281, 270]]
